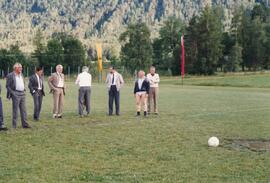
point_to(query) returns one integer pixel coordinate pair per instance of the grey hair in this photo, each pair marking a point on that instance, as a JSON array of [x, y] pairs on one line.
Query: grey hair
[[17, 65], [59, 65], [85, 69]]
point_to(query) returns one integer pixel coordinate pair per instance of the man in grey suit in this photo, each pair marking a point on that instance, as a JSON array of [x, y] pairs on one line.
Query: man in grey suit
[[2, 127], [16, 92], [36, 88], [114, 83]]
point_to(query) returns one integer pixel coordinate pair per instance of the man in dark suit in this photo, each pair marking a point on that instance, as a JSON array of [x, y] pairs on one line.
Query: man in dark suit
[[16, 91], [2, 127], [36, 88]]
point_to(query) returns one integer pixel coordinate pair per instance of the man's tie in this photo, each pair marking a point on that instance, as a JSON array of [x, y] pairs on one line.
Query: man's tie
[[113, 79]]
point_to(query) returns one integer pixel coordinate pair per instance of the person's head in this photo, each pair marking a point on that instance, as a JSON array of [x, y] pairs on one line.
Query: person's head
[[17, 67], [59, 68], [111, 69], [85, 69], [152, 70], [141, 74], [39, 71]]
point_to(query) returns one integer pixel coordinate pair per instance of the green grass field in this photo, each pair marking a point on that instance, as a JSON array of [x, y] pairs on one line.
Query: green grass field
[[171, 147]]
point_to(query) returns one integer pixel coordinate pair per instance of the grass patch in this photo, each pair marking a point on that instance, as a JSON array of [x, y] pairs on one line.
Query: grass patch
[[171, 147]]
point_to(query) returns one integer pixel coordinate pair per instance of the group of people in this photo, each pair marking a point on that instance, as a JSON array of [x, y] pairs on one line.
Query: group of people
[[145, 92]]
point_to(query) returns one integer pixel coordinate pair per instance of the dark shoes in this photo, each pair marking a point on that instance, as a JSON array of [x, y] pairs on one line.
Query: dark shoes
[[27, 127], [3, 128], [144, 114]]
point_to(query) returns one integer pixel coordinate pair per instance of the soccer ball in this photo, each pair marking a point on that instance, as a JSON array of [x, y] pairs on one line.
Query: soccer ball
[[213, 142]]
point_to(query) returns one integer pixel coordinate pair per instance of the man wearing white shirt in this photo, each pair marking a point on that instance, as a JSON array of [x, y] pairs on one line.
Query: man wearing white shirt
[[114, 83], [154, 80], [84, 80], [16, 92]]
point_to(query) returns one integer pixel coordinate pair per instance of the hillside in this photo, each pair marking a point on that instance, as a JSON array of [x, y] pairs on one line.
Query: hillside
[[92, 20]]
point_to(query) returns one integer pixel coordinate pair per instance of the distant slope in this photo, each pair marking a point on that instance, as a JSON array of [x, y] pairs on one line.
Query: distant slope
[[94, 19]]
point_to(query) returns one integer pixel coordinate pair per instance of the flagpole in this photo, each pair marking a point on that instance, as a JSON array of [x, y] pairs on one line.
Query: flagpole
[[183, 59]]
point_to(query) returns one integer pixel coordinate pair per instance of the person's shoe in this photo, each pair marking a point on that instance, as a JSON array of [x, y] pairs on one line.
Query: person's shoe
[[81, 116], [117, 114], [145, 113], [36, 119], [156, 113], [55, 116], [3, 128], [27, 127], [138, 114], [59, 116]]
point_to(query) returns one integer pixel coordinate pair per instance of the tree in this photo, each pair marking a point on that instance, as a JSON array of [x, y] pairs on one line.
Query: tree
[[54, 55], [8, 57], [228, 43], [232, 64], [136, 52], [74, 52], [205, 36], [39, 46], [167, 47]]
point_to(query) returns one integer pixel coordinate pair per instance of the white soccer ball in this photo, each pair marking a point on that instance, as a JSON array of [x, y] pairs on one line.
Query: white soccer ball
[[213, 142]]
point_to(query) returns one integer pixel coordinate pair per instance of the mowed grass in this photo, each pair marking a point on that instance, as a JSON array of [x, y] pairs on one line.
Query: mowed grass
[[244, 80], [171, 147]]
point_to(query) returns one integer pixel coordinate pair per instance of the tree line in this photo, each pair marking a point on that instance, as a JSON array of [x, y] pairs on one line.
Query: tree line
[[210, 45]]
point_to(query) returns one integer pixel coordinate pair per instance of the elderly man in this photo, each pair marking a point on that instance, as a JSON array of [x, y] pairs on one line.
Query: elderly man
[[84, 80], [2, 127], [114, 83], [16, 91], [141, 91], [57, 86], [154, 80], [36, 88]]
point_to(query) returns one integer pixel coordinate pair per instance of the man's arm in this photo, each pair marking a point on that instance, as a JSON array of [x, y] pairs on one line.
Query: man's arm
[[107, 79], [30, 85], [121, 81], [147, 87], [77, 80], [8, 87], [50, 80], [157, 79]]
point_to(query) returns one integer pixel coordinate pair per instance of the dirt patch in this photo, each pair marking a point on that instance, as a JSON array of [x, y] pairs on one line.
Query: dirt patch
[[250, 144]]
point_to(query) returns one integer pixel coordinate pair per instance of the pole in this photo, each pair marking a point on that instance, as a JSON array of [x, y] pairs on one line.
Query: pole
[[183, 59], [68, 72]]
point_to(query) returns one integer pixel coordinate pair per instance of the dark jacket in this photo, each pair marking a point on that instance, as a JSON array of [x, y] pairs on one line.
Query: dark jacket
[[33, 85], [145, 87], [10, 84]]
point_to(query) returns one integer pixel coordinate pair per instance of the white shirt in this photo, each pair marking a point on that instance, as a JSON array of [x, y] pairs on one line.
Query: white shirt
[[61, 81], [140, 82], [39, 82], [153, 79], [84, 79], [19, 82]]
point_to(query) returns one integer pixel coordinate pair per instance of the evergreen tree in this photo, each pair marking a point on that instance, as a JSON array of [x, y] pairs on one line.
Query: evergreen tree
[[136, 51], [54, 55], [39, 46]]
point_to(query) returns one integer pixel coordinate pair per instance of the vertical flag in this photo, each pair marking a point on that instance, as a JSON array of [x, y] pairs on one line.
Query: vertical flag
[[183, 57], [99, 55]]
